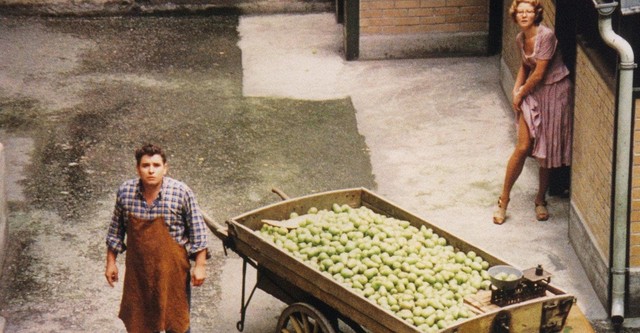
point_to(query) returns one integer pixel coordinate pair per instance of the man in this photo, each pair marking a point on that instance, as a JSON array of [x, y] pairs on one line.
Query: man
[[164, 228]]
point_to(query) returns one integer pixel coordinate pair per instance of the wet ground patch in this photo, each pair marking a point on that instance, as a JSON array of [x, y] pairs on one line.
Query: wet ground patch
[[175, 81]]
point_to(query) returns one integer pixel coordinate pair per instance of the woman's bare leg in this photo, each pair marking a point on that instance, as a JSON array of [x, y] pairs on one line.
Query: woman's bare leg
[[514, 169], [543, 184], [516, 161], [542, 214]]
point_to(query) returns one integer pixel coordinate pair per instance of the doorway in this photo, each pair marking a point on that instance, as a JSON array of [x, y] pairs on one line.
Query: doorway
[[565, 28]]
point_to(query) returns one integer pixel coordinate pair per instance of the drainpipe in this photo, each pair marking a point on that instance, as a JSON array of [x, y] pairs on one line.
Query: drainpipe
[[622, 162]]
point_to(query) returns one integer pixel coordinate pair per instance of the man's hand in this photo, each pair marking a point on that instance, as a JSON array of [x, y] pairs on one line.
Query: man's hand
[[199, 272], [198, 275], [111, 272]]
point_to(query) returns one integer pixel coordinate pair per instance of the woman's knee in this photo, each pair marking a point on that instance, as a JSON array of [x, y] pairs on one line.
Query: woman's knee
[[522, 149]]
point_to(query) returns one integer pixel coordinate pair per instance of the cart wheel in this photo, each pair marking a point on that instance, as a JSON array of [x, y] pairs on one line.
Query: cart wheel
[[303, 318]]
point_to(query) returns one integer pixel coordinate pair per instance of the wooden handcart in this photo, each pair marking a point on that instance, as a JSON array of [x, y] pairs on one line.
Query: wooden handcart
[[317, 303]]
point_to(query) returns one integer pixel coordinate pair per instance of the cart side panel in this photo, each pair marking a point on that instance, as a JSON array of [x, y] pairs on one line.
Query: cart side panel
[[319, 286], [525, 317], [282, 210]]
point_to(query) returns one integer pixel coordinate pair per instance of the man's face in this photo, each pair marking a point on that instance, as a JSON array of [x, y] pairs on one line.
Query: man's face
[[151, 170]]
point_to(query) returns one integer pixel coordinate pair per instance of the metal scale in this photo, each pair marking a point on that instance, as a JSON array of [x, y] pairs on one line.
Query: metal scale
[[534, 284]]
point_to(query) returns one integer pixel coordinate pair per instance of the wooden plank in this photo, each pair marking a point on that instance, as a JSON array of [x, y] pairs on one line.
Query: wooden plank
[[525, 317], [481, 301]]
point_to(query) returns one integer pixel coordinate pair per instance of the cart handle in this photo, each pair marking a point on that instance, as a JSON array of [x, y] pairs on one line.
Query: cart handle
[[280, 193], [222, 231], [218, 229]]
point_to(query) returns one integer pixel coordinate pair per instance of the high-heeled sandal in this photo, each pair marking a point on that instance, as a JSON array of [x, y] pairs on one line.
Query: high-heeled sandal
[[542, 214], [500, 214]]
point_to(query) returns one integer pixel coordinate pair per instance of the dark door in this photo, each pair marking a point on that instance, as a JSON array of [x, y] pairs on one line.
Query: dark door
[[495, 26]]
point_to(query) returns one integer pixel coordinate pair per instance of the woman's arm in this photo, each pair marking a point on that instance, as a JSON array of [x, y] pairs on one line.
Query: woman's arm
[[530, 82], [523, 71]]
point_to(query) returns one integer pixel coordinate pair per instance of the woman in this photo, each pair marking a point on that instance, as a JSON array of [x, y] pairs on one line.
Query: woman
[[543, 104]]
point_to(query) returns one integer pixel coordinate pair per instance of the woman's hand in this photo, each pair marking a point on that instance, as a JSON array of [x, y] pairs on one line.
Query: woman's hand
[[517, 100], [529, 84]]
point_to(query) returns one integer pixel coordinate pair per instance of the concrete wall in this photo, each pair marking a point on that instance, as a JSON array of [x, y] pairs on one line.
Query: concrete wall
[[4, 229], [423, 28]]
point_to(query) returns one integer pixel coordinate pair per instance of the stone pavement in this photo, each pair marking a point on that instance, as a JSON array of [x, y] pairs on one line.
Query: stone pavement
[[439, 133]]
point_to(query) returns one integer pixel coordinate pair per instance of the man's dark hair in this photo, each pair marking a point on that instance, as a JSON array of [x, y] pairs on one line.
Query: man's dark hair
[[149, 150]]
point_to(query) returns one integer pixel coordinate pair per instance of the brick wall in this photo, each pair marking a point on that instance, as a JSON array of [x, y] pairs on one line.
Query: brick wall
[[423, 28], [634, 240], [510, 58], [593, 151], [634, 249], [420, 16]]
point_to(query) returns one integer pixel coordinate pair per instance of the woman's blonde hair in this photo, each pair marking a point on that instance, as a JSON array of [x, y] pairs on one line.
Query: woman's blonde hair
[[537, 6]]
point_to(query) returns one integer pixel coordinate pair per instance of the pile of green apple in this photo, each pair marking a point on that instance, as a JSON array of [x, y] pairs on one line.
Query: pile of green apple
[[410, 271]]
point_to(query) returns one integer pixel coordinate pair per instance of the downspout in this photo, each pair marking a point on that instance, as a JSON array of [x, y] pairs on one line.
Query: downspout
[[622, 159]]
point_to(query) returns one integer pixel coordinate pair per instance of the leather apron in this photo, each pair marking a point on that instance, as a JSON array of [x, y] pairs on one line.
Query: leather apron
[[154, 297]]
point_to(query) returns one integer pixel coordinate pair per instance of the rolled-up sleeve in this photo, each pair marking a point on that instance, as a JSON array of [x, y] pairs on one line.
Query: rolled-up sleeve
[[196, 226], [117, 229]]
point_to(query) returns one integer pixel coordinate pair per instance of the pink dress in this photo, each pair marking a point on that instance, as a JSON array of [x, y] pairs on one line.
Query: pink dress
[[548, 109]]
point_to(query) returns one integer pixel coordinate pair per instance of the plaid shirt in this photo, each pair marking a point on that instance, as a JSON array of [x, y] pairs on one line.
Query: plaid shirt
[[176, 203]]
